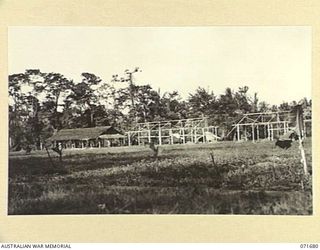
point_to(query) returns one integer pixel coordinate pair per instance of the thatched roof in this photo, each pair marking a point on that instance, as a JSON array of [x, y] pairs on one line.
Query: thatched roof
[[82, 133], [112, 136]]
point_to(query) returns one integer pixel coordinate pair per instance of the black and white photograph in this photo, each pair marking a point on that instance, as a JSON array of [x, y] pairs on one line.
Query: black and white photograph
[[160, 120]]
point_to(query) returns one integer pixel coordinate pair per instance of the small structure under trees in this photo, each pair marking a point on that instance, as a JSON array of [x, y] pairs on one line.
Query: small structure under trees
[[105, 136]]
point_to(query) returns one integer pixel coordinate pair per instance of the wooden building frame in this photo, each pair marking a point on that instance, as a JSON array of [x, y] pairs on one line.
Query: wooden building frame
[[264, 125], [180, 131]]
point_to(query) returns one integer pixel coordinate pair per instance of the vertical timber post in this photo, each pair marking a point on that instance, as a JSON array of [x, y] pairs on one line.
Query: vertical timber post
[[183, 136], [303, 156], [238, 132], [285, 127], [160, 139], [245, 133], [149, 135], [203, 136], [265, 131], [252, 127], [216, 134]]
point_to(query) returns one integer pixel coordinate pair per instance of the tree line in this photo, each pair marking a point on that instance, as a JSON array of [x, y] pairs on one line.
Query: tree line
[[42, 103]]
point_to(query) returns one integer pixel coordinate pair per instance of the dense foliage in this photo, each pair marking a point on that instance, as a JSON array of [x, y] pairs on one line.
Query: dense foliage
[[41, 103]]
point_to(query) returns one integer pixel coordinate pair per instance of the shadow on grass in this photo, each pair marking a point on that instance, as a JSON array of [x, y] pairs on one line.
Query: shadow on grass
[[136, 200]]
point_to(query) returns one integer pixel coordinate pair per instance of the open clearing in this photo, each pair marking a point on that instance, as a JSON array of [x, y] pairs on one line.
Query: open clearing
[[243, 178]]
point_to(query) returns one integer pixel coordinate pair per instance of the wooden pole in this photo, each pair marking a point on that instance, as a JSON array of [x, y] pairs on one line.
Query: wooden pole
[[139, 137], [252, 128], [300, 132], [129, 139], [191, 135], [238, 132], [245, 133], [287, 127], [183, 136], [258, 135], [149, 135], [303, 156], [160, 139], [216, 133], [203, 136], [265, 131]]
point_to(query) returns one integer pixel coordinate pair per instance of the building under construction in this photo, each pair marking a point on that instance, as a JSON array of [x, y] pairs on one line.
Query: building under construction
[[266, 125], [173, 132], [250, 126]]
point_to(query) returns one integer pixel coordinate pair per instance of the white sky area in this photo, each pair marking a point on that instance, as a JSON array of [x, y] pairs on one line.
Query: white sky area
[[273, 61]]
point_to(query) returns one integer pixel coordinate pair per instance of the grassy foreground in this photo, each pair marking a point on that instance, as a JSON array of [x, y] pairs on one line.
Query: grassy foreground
[[221, 178]]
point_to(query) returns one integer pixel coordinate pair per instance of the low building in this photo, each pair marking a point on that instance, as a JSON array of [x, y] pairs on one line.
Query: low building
[[88, 137]]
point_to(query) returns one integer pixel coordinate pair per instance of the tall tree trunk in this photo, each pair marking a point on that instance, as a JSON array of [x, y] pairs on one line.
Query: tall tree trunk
[[92, 123], [56, 111]]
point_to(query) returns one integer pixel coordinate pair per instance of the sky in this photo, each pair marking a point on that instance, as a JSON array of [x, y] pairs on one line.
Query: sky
[[273, 61]]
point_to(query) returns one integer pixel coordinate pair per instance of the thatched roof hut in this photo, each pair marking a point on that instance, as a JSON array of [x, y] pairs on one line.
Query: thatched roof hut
[[112, 136], [83, 134]]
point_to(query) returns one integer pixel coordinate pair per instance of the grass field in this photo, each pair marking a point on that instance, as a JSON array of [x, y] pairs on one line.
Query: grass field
[[221, 178]]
